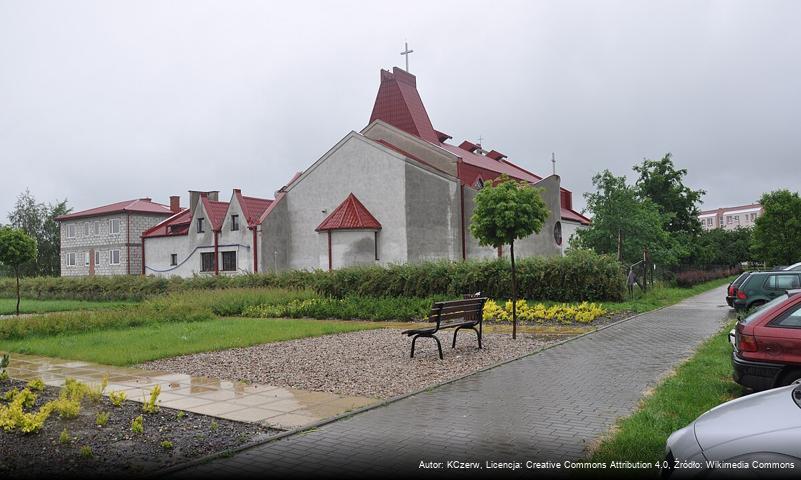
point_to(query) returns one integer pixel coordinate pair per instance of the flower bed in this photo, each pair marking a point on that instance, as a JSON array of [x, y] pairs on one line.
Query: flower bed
[[562, 313], [47, 431]]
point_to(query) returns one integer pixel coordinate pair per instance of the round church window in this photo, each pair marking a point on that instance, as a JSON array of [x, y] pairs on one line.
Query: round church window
[[557, 233]]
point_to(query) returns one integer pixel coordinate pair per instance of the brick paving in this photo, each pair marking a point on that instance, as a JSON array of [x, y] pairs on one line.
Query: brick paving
[[546, 407]]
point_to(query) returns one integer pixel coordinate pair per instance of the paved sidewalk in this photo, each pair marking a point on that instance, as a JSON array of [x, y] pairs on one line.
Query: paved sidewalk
[[276, 407], [548, 406]]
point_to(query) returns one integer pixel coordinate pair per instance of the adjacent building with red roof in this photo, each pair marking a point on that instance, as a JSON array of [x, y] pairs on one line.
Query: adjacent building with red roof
[[107, 240]]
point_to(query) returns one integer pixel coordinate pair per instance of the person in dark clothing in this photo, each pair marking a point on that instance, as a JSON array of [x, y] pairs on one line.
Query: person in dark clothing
[[631, 280]]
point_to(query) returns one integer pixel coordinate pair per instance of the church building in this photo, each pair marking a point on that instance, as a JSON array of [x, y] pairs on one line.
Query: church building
[[397, 191]]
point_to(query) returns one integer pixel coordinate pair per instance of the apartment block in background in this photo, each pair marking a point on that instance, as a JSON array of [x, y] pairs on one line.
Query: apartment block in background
[[731, 218]]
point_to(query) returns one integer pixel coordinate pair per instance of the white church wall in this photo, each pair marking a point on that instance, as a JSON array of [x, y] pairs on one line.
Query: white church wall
[[237, 240], [433, 216], [374, 174], [569, 230], [474, 250], [544, 243]]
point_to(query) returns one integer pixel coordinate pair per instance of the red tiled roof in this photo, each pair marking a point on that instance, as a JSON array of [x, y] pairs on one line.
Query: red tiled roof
[[252, 207], [568, 214], [216, 212], [141, 205], [350, 214], [398, 103], [178, 224]]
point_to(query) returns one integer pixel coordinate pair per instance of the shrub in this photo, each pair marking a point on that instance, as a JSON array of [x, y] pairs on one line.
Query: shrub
[[66, 408], [137, 425], [563, 313], [351, 307], [86, 451], [36, 384], [65, 437], [166, 445], [76, 322], [578, 276], [117, 398], [149, 405], [101, 418], [689, 278]]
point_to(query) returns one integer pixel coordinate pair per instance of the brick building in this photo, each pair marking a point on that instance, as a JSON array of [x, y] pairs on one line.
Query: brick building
[[107, 240]]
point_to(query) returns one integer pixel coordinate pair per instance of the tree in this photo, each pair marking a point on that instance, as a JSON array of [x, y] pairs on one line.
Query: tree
[[624, 224], [663, 184], [722, 247], [777, 233], [16, 248], [38, 220], [507, 210]]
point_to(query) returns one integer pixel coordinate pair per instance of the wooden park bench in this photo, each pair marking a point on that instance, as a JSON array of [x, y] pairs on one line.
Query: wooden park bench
[[457, 314]]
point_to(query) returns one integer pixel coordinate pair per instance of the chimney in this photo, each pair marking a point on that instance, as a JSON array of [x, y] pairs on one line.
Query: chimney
[[175, 203], [194, 197]]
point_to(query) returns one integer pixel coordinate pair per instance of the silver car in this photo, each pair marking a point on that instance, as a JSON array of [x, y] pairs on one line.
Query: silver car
[[756, 436]]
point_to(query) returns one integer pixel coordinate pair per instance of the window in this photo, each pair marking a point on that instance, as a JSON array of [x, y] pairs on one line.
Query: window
[[86, 258], [113, 257], [207, 262], [114, 226], [783, 282], [71, 259], [234, 222], [173, 259], [709, 221], [791, 319], [95, 228], [71, 230], [737, 218], [557, 233], [97, 257], [86, 229], [728, 219], [199, 225], [753, 217], [229, 261]]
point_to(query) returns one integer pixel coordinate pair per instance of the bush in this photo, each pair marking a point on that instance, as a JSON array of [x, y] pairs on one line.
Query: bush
[[579, 276], [689, 278], [76, 322], [362, 308]]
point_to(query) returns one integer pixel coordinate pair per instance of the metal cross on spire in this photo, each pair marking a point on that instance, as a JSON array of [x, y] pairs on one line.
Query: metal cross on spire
[[406, 53], [553, 161]]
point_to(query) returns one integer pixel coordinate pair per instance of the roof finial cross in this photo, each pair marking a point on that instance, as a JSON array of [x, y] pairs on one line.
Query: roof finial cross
[[553, 161], [406, 53]]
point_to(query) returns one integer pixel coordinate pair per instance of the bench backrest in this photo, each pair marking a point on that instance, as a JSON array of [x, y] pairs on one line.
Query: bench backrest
[[471, 309]]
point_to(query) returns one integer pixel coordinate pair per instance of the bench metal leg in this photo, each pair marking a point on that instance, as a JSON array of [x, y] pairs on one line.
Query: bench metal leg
[[478, 335], [439, 345]]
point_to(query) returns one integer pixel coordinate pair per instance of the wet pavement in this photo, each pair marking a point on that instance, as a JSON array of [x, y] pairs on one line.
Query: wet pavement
[[276, 407]]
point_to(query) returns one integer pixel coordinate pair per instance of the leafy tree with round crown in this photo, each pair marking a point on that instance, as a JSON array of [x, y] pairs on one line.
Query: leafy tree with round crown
[[507, 210], [16, 248]]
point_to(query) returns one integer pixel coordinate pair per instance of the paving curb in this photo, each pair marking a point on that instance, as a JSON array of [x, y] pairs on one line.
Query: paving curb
[[320, 423]]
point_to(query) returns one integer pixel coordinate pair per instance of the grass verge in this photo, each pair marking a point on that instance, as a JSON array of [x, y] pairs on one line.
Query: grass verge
[[662, 296], [704, 381], [8, 306], [150, 342]]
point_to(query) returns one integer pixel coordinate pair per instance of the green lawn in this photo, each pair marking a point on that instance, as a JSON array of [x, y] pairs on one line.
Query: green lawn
[[662, 296], [8, 305], [129, 346], [701, 383]]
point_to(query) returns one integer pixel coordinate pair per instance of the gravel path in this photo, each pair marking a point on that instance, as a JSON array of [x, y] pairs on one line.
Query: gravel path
[[371, 363]]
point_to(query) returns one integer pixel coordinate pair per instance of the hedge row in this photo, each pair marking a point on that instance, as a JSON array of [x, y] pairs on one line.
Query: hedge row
[[691, 278], [579, 276]]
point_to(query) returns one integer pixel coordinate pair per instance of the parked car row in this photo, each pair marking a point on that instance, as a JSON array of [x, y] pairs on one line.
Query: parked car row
[[754, 289], [763, 428]]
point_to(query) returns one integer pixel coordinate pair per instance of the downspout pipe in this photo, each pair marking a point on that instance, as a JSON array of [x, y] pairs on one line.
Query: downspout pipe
[[255, 250], [216, 254]]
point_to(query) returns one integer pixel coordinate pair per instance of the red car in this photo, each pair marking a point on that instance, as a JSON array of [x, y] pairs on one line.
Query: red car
[[767, 344]]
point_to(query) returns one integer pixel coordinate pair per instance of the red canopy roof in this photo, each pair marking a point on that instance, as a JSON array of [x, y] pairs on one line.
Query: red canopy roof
[[178, 224], [350, 215], [140, 205]]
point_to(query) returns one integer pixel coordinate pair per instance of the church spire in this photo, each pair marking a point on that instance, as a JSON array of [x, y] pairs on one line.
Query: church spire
[[399, 104]]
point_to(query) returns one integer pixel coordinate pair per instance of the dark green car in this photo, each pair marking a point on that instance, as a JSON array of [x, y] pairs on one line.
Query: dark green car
[[761, 287]]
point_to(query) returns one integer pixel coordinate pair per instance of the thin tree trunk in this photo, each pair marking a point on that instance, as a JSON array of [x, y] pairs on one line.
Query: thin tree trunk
[[514, 290], [16, 272]]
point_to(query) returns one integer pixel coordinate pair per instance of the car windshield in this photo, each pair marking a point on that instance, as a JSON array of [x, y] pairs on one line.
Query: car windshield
[[756, 314]]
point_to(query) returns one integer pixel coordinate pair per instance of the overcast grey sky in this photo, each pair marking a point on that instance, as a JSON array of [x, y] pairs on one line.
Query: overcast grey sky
[[102, 101]]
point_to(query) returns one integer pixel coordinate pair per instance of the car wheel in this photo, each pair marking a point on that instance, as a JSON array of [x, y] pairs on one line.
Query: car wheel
[[793, 377]]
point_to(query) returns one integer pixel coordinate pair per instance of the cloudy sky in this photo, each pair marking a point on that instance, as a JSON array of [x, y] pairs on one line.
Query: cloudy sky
[[102, 101]]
